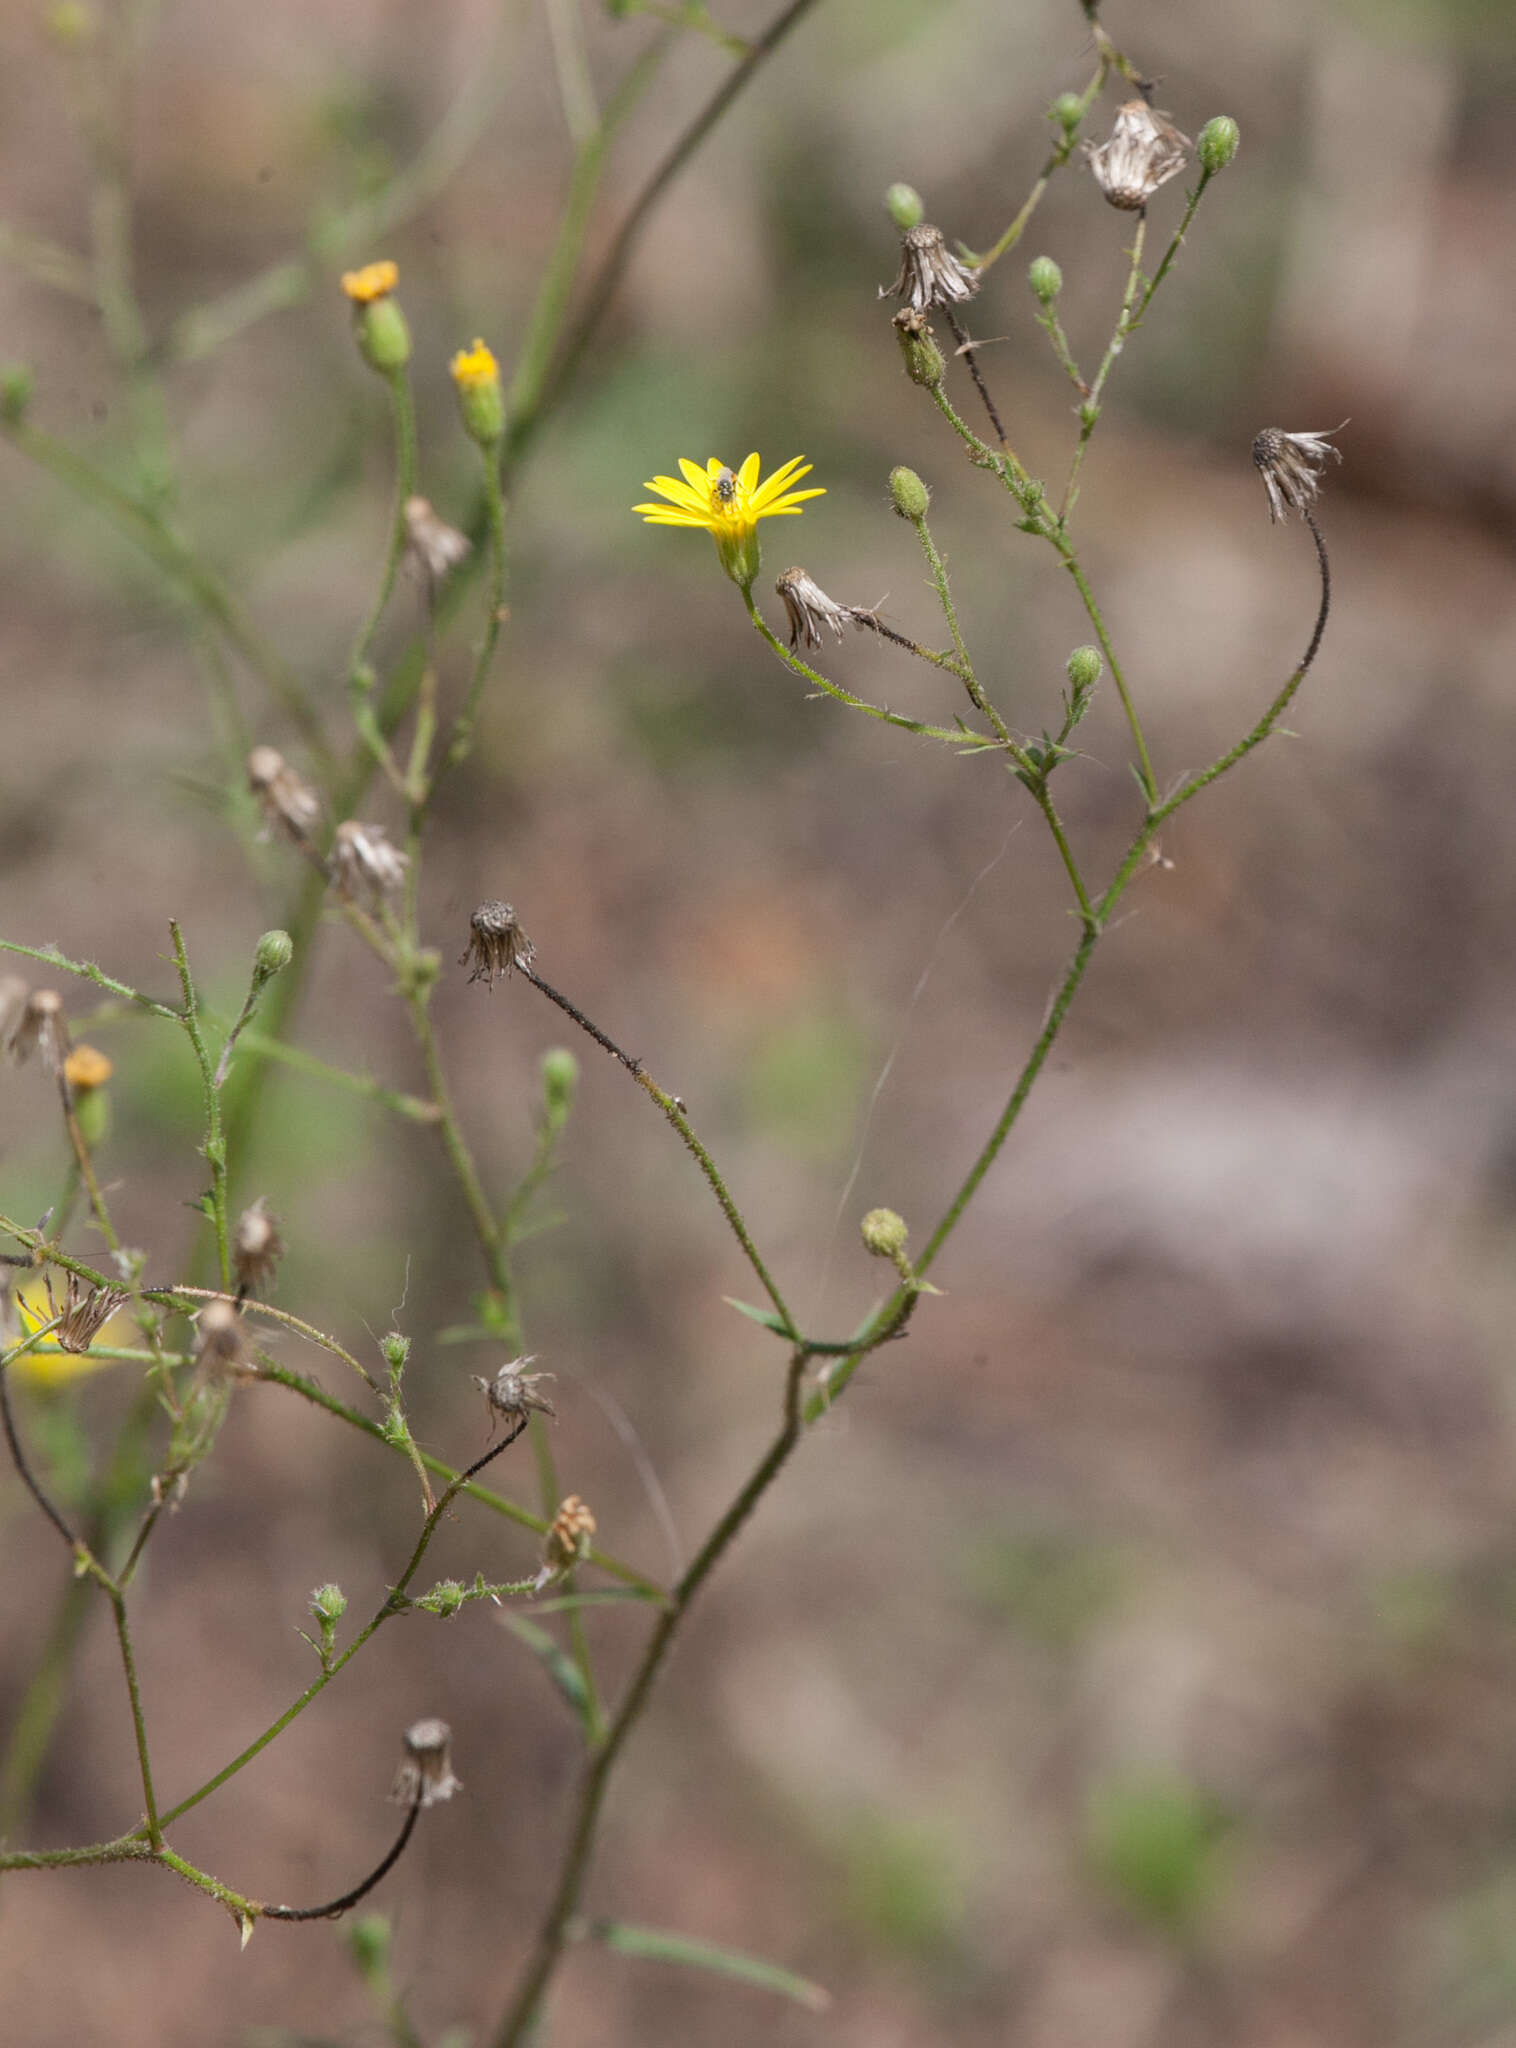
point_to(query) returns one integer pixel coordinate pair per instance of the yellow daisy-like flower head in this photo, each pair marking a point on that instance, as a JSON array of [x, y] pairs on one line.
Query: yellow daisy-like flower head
[[373, 281], [728, 504], [476, 377]]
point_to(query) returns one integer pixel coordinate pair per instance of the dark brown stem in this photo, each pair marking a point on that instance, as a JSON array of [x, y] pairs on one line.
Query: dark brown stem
[[967, 349], [335, 1908], [553, 995]]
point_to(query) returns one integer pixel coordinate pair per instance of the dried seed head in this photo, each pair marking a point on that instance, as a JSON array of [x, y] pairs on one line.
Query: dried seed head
[[425, 1775], [257, 1246], [84, 1310], [808, 609], [514, 1392], [496, 943], [1291, 466], [363, 864], [226, 1349], [289, 802], [567, 1541], [1145, 150], [35, 1023], [431, 545], [930, 274]]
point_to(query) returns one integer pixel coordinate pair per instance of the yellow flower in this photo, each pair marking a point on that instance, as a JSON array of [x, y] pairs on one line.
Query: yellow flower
[[729, 504], [86, 1067], [476, 376], [373, 281], [474, 366]]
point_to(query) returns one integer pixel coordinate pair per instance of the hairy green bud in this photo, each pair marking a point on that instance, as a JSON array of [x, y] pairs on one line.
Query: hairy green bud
[[1216, 144], [1084, 667], [329, 1603], [275, 951], [884, 1234], [919, 353], [560, 1078], [1068, 111], [904, 206], [395, 1350], [910, 495], [1045, 278]]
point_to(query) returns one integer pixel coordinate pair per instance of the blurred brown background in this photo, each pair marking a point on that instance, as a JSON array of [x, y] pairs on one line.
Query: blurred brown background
[[1131, 1660]]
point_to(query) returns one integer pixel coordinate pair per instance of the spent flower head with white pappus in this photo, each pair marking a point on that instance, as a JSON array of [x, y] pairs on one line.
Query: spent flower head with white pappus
[[364, 863], [1291, 466], [1144, 151], [930, 274], [728, 503]]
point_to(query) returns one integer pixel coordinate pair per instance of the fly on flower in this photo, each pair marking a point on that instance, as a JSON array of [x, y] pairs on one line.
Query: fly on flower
[[728, 504]]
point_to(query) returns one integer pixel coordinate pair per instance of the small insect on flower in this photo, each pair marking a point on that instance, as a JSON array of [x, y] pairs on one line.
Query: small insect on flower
[[1291, 466], [729, 503]]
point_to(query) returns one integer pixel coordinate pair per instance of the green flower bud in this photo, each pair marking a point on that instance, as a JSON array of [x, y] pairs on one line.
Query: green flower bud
[[92, 1112], [481, 402], [329, 1603], [71, 24], [904, 207], [884, 1234], [368, 1942], [560, 1077], [1084, 667], [275, 951], [1217, 142], [395, 1350], [910, 494], [1068, 111], [920, 354], [1045, 278], [445, 1598], [384, 339], [15, 393]]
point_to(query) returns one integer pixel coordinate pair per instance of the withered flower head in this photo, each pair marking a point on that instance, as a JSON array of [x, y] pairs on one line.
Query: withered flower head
[[808, 609], [225, 1345], [496, 943], [930, 274], [1145, 150], [289, 802], [363, 862], [84, 1311], [514, 1392], [425, 1775], [431, 545], [257, 1246], [567, 1539], [35, 1023], [1291, 466]]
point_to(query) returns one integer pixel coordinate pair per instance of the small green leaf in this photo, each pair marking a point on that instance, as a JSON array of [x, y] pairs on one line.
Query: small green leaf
[[766, 1316], [558, 1664], [654, 1944]]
